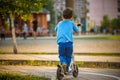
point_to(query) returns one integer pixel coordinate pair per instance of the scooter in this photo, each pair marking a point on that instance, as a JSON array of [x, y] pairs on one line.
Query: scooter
[[73, 69]]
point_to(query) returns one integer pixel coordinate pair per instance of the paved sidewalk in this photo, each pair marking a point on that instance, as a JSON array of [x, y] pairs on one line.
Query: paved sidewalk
[[50, 72], [55, 58]]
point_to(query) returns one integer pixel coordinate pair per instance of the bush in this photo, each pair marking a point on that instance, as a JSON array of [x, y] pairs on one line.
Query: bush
[[110, 25]]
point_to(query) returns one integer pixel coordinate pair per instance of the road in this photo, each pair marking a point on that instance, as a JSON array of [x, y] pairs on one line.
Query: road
[[84, 73]]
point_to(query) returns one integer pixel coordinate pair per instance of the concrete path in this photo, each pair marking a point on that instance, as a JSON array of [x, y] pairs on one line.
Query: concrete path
[[55, 58], [84, 73]]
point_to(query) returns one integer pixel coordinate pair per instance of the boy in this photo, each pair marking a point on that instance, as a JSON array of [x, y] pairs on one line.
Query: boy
[[64, 38]]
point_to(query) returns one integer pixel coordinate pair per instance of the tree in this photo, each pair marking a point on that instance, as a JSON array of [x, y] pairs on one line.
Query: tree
[[105, 22], [49, 5], [115, 23], [19, 8]]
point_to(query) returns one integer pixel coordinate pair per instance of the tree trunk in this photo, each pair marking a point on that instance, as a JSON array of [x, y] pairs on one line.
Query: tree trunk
[[70, 3], [13, 36]]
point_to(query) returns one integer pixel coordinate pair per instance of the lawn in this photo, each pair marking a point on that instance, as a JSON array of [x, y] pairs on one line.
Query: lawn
[[15, 76], [89, 37], [101, 37]]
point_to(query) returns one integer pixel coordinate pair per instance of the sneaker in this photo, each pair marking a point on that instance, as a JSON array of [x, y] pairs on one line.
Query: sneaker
[[69, 70], [64, 68]]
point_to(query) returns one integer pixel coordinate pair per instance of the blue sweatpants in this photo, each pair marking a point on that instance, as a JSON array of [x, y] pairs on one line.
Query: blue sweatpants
[[65, 53]]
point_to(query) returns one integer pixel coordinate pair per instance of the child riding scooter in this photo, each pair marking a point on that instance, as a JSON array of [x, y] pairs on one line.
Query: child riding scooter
[[64, 40]]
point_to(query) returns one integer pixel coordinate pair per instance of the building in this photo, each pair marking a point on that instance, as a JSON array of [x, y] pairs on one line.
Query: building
[[41, 18], [79, 8], [118, 8], [99, 8], [59, 6], [94, 10], [91, 11], [42, 22], [18, 24]]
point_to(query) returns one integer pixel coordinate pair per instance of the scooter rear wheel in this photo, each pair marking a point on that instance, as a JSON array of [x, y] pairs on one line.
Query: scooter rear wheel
[[60, 74]]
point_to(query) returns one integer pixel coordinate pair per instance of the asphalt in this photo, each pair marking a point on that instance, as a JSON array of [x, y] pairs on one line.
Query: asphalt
[[50, 72]]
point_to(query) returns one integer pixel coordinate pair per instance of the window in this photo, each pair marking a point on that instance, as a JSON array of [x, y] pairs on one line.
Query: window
[[118, 9]]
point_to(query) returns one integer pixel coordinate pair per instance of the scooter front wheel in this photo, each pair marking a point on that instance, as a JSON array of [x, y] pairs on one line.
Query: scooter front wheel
[[75, 71]]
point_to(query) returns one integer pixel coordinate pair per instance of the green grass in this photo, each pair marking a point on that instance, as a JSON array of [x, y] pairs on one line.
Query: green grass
[[55, 63], [15, 76], [76, 54], [110, 37], [1, 52], [29, 62], [81, 37], [98, 54], [114, 37]]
